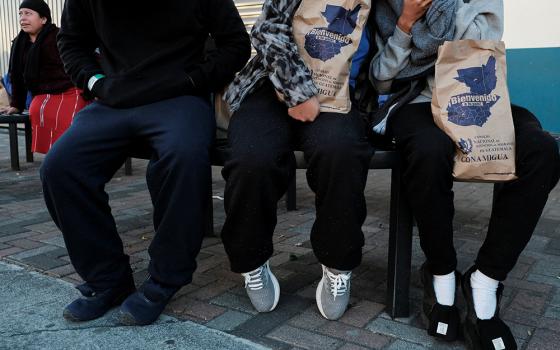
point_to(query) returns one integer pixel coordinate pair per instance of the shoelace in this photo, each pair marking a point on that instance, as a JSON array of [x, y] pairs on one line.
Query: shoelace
[[253, 279], [338, 283]]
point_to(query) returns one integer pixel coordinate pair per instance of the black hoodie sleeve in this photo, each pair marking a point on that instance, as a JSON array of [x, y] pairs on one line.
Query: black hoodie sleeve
[[77, 41], [233, 47]]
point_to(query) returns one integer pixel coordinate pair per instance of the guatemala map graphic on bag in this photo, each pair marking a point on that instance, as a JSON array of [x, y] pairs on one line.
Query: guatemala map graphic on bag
[[470, 103], [326, 43], [327, 34], [473, 107]]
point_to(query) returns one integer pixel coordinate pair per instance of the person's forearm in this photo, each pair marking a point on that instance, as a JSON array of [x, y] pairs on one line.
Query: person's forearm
[[272, 38], [412, 11], [390, 60], [405, 24], [19, 96], [77, 41]]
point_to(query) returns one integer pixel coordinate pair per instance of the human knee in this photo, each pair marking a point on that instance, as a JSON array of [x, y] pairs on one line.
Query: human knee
[[187, 156], [538, 148], [548, 158], [550, 147], [255, 161], [341, 150], [55, 166]]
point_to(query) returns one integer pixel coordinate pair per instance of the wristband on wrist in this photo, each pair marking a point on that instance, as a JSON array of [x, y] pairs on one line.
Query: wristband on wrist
[[93, 80]]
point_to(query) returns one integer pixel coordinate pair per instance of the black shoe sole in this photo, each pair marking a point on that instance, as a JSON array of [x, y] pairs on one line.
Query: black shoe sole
[[68, 316], [126, 319], [470, 335], [470, 329]]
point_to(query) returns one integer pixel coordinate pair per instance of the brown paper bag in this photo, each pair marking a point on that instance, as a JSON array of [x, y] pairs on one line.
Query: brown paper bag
[[327, 34], [4, 99], [222, 114], [471, 105]]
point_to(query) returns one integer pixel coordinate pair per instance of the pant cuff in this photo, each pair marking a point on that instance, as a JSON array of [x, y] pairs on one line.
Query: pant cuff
[[498, 275], [441, 269], [112, 282], [170, 276], [347, 263], [243, 264]]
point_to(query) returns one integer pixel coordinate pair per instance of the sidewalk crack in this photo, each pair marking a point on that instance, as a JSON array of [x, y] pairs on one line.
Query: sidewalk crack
[[6, 334]]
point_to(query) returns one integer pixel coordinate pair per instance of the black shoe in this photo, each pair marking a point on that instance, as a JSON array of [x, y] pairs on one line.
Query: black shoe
[[95, 304], [492, 334], [145, 306], [442, 321]]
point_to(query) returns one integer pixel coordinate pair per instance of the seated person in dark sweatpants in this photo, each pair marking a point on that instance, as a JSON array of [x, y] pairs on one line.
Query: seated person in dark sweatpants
[[428, 153], [263, 133], [151, 86]]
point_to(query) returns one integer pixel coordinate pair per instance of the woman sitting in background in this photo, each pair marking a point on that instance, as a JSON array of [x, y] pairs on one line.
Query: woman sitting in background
[[35, 66]]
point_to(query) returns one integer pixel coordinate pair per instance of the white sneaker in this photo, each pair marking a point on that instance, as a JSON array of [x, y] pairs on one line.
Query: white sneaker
[[262, 288], [333, 293]]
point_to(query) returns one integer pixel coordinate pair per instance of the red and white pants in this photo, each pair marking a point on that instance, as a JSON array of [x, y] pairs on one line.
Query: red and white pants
[[51, 115]]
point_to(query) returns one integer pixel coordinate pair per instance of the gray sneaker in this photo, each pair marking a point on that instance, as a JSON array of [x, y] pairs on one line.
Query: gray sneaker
[[262, 288], [333, 293]]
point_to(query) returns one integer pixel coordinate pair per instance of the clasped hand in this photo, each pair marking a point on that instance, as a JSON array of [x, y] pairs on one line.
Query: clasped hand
[[9, 110], [412, 11], [306, 111]]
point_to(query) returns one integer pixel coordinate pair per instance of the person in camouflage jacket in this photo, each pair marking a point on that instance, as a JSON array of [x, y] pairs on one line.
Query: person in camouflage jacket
[[263, 133]]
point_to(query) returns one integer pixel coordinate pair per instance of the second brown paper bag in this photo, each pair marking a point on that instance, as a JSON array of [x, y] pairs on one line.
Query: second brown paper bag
[[471, 105]]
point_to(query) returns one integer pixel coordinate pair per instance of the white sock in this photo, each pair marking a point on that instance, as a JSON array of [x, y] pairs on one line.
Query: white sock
[[484, 295], [444, 286]]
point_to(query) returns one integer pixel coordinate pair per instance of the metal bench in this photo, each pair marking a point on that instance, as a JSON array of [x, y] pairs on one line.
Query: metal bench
[[400, 223], [13, 120], [400, 230]]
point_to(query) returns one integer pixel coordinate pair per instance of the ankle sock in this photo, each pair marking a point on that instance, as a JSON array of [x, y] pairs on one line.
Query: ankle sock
[[484, 295], [444, 286]]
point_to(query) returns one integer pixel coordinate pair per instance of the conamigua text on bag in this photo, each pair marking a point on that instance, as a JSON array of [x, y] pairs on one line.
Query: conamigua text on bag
[[471, 105]]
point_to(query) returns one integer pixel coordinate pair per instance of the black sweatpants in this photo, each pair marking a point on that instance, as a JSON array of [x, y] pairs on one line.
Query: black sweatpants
[[428, 163], [180, 132], [262, 138]]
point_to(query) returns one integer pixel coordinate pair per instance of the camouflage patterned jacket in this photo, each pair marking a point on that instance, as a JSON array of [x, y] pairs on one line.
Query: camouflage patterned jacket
[[277, 58]]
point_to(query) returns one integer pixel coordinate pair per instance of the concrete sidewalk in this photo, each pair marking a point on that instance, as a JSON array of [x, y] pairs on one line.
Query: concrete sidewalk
[[31, 318]]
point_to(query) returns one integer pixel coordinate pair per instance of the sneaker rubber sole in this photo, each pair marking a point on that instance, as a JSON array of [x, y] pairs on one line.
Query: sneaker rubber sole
[[126, 319], [70, 317], [276, 290], [318, 299]]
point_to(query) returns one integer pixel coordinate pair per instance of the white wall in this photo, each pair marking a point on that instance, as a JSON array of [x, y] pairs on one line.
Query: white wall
[[532, 24], [528, 24]]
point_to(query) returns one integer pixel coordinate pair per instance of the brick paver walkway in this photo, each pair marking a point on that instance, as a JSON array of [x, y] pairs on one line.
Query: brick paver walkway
[[216, 297]]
